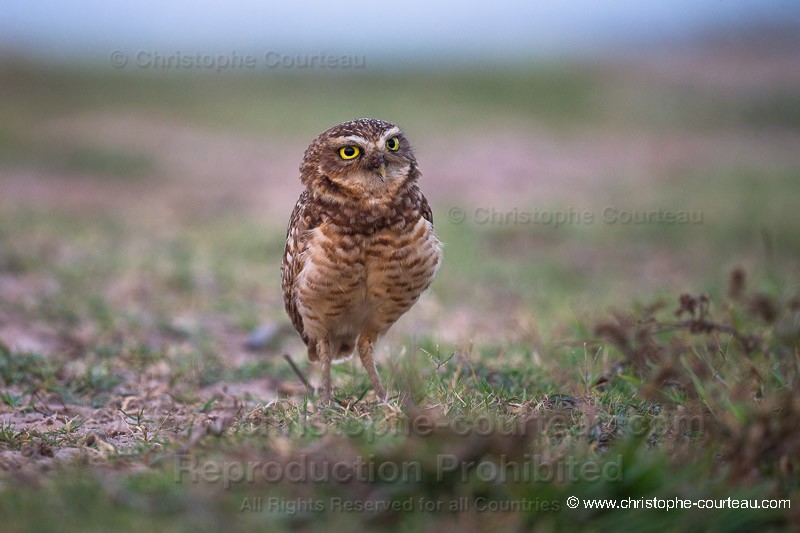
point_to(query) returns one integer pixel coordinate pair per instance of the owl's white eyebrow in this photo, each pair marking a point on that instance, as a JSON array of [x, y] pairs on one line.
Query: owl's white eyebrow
[[389, 134], [356, 139]]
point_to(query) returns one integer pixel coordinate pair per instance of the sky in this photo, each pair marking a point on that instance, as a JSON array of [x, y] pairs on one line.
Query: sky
[[381, 30]]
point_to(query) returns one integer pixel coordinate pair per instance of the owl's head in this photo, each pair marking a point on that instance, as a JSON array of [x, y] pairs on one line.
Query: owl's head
[[363, 158]]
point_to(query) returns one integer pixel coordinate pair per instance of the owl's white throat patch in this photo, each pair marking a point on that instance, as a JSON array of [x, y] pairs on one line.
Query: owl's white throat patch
[[374, 183]]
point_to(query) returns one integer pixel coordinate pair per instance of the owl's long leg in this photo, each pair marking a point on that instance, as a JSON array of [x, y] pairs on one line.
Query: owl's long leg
[[366, 345], [324, 353]]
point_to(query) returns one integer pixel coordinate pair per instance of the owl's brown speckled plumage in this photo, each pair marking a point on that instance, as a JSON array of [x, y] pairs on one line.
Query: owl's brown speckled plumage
[[360, 247]]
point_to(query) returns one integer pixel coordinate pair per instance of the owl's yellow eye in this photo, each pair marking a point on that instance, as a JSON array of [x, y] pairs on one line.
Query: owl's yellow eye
[[349, 152], [393, 144]]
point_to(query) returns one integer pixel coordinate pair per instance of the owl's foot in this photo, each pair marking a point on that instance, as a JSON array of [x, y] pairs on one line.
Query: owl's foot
[[325, 398], [380, 392]]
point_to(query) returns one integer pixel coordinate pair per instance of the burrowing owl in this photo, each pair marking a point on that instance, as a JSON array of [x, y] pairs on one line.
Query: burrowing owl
[[360, 247]]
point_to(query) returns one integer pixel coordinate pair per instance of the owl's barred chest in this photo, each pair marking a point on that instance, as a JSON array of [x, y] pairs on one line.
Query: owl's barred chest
[[355, 281]]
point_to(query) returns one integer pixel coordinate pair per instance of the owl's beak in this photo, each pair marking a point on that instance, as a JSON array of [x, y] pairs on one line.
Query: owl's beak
[[377, 163]]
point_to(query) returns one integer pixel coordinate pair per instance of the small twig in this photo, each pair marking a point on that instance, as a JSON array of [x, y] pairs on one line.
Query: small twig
[[299, 374]]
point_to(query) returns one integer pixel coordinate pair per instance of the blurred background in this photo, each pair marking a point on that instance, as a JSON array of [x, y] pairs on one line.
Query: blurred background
[[583, 159], [577, 156]]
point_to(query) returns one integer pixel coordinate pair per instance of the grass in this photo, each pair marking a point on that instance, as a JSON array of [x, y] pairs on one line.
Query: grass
[[599, 360], [663, 408], [463, 99]]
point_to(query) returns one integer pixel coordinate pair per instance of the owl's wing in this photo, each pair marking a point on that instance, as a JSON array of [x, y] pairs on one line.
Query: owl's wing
[[425, 208], [293, 259]]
